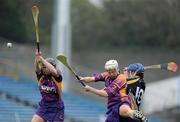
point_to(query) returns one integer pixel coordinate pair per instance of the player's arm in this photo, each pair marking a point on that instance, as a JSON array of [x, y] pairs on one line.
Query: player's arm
[[95, 78], [51, 68], [37, 61], [36, 64], [98, 92], [87, 79]]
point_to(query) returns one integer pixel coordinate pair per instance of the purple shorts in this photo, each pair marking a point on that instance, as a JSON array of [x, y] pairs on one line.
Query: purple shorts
[[113, 112], [51, 111]]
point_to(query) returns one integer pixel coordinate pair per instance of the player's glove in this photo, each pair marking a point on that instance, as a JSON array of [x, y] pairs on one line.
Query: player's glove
[[138, 115]]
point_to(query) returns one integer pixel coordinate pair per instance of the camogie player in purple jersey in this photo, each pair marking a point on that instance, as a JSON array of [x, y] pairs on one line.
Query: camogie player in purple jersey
[[51, 106], [119, 102]]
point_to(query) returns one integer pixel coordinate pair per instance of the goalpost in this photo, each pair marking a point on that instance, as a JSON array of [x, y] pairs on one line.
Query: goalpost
[[61, 36]]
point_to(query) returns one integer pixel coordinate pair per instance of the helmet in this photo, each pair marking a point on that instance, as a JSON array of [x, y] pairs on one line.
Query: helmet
[[111, 64], [51, 61], [136, 67]]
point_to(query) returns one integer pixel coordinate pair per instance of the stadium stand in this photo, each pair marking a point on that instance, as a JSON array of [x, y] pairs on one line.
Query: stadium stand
[[18, 100], [14, 112]]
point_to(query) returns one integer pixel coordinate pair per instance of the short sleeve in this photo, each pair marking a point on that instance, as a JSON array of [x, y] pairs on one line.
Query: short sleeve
[[58, 78], [120, 81], [100, 76], [116, 86]]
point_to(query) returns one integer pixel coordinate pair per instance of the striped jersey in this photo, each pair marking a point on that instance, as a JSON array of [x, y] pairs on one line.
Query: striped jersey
[[50, 86]]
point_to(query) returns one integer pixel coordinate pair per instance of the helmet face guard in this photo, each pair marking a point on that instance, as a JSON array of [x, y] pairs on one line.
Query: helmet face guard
[[136, 68], [51, 61]]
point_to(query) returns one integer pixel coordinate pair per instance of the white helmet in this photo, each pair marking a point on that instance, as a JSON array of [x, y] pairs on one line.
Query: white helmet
[[111, 64]]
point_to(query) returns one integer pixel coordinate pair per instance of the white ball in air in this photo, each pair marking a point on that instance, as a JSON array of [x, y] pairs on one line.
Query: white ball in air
[[9, 45]]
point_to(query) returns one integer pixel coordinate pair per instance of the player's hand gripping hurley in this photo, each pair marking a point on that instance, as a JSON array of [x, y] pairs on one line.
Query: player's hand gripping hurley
[[35, 13], [63, 60]]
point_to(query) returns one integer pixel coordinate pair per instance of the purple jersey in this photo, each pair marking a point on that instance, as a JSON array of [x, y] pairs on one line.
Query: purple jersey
[[103, 77], [50, 86], [115, 88]]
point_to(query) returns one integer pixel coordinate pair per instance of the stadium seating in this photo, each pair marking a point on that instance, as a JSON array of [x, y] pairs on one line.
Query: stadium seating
[[77, 109], [13, 112]]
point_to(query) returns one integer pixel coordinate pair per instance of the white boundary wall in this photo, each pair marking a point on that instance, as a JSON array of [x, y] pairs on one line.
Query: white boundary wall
[[161, 95]]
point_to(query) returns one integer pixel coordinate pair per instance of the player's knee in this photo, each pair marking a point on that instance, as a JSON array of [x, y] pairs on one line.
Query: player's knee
[[37, 118], [125, 111], [33, 120]]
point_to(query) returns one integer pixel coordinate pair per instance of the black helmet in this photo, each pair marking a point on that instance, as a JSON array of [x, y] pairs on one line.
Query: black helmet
[[51, 61]]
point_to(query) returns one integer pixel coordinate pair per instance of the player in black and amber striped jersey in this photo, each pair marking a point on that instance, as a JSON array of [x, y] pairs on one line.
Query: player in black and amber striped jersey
[[135, 83]]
